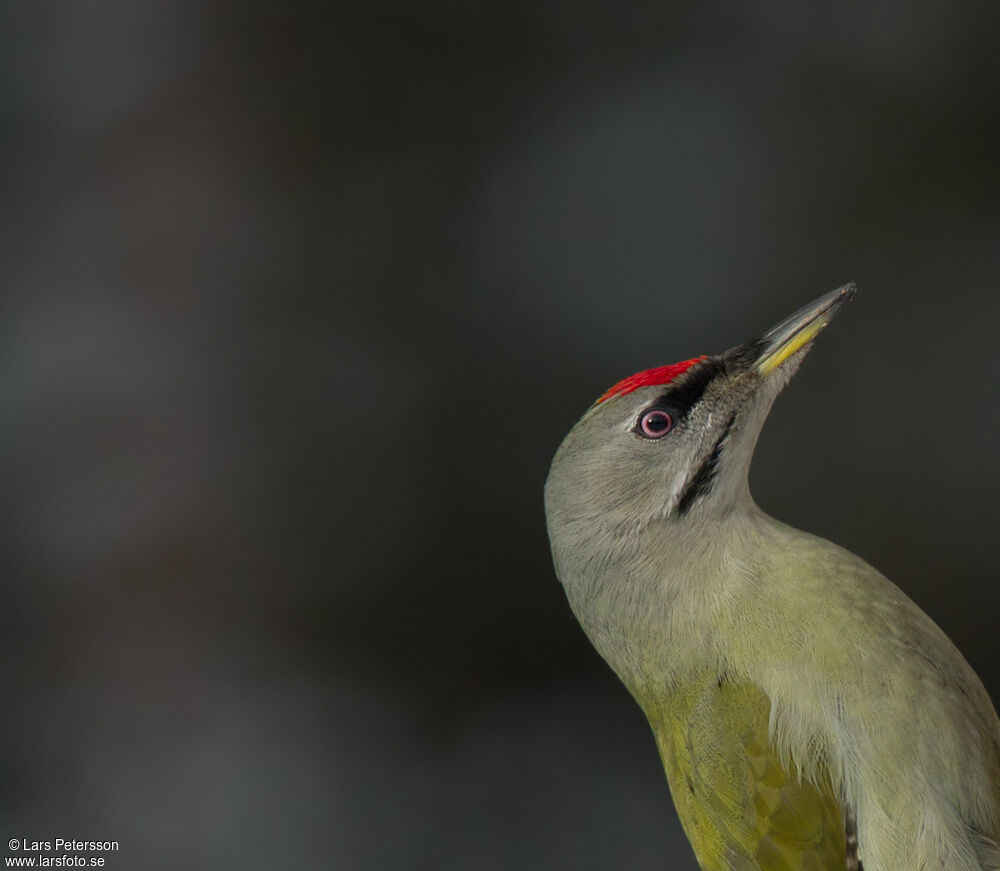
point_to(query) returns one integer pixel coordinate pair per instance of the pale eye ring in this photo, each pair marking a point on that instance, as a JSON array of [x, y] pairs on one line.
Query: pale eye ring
[[654, 423]]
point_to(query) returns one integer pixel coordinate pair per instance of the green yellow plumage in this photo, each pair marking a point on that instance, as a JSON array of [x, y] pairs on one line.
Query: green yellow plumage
[[740, 805]]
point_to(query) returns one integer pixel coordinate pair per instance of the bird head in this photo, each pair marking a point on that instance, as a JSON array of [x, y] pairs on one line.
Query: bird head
[[670, 447]]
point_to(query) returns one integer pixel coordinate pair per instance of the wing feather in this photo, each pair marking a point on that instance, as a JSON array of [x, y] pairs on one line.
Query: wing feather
[[740, 806]]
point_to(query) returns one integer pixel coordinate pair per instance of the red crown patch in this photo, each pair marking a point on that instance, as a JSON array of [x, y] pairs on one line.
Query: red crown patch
[[659, 375]]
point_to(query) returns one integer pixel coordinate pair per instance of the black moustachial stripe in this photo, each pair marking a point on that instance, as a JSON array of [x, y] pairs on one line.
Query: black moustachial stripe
[[701, 480], [681, 397]]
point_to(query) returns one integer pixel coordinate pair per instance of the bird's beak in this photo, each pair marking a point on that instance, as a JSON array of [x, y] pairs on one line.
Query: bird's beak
[[797, 331]]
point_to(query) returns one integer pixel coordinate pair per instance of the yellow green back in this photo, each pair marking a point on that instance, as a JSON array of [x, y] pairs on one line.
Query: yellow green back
[[741, 808]]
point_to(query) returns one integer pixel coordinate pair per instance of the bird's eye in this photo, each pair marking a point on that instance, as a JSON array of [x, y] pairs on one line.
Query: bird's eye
[[654, 423]]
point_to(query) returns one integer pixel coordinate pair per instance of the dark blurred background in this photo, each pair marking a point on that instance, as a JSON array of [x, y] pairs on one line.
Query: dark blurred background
[[300, 301]]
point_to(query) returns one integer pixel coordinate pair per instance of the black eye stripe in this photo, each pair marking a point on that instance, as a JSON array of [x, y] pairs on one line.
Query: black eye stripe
[[680, 398]]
